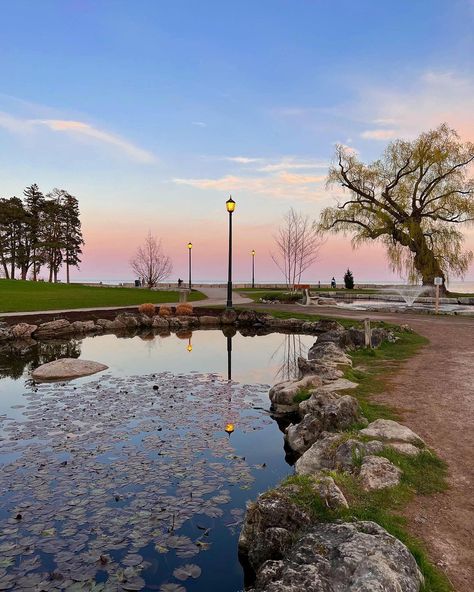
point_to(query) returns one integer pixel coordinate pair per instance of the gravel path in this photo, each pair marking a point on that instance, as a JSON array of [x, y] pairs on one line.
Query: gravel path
[[434, 393]]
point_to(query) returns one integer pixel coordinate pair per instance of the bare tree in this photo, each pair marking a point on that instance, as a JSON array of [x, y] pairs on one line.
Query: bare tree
[[298, 242], [150, 263]]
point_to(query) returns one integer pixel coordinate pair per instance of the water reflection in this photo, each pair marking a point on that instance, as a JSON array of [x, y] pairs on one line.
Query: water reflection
[[287, 353]]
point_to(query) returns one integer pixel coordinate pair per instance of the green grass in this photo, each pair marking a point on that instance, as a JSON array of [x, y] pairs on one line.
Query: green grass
[[257, 293], [303, 394], [22, 296]]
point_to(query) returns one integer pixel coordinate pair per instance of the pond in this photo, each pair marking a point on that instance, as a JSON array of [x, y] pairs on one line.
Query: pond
[[128, 480]]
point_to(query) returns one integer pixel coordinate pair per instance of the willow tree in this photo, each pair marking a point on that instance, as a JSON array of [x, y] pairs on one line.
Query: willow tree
[[414, 200]]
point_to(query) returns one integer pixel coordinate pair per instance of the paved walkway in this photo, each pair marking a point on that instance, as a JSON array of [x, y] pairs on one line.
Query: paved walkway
[[434, 394], [215, 297]]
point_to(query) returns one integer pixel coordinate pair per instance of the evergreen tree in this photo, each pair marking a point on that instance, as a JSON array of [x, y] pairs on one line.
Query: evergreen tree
[[34, 205], [349, 280], [72, 232]]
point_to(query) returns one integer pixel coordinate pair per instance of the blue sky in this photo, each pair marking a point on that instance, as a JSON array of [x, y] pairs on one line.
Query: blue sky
[[152, 112]]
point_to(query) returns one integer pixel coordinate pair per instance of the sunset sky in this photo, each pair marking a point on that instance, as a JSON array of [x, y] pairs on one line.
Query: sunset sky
[[152, 112]]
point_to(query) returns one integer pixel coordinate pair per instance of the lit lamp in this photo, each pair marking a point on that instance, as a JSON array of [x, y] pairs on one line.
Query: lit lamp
[[189, 346], [229, 428], [230, 206], [253, 268], [190, 246]]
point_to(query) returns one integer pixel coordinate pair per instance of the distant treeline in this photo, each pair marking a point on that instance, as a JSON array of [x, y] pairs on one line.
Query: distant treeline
[[39, 231]]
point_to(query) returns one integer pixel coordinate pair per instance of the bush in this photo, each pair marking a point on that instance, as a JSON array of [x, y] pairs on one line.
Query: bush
[[184, 310], [147, 309], [286, 297], [165, 311], [349, 280]]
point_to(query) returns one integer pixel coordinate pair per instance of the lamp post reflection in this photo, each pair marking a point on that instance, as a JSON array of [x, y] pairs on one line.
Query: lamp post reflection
[[189, 347], [230, 426]]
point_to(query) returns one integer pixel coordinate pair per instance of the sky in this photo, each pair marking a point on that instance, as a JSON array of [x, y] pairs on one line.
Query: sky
[[152, 112]]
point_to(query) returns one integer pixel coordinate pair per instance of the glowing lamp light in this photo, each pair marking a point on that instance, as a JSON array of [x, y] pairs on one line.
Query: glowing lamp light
[[190, 245], [229, 428], [253, 252], [230, 205], [189, 346]]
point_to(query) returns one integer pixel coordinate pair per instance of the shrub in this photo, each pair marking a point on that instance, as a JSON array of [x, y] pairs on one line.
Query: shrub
[[349, 280], [147, 309], [165, 311], [287, 297], [185, 309]]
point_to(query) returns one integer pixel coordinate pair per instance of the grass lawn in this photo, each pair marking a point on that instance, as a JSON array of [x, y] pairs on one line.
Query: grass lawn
[[21, 296], [257, 293]]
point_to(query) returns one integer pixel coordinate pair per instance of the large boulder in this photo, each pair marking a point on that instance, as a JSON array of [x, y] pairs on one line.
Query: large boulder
[[324, 325], [23, 330], [270, 525], [228, 317], [285, 324], [66, 368], [52, 329], [247, 317], [377, 472], [160, 322], [282, 395], [388, 430], [83, 326], [329, 353], [358, 556], [126, 320], [320, 456], [349, 454], [5, 333], [327, 373], [322, 412], [209, 321]]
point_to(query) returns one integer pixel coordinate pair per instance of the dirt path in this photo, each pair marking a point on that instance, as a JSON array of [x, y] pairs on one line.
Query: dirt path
[[434, 392]]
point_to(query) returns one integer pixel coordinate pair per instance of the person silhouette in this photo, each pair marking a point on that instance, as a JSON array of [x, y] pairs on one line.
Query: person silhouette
[[180, 281], [333, 282]]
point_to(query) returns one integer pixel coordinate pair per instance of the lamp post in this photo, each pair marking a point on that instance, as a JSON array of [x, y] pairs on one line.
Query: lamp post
[[190, 247], [253, 268], [230, 205]]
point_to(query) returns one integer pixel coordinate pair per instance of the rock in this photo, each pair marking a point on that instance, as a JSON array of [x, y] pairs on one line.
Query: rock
[[126, 320], [53, 329], [247, 317], [356, 337], [144, 320], [160, 322], [349, 454], [315, 367], [324, 325], [321, 455], [282, 394], [83, 326], [105, 324], [405, 448], [329, 492], [329, 353], [228, 317], [377, 472], [327, 302], [323, 412], [23, 330], [208, 321], [391, 431], [285, 324], [357, 556], [66, 368], [341, 384], [379, 335], [269, 526], [5, 333]]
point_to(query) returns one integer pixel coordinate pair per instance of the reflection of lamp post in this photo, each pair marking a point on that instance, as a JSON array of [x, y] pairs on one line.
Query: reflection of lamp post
[[229, 358], [230, 205], [190, 246], [253, 268], [189, 346]]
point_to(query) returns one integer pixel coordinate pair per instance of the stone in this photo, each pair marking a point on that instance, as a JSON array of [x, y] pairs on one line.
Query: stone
[[67, 368], [247, 317], [228, 317], [285, 324], [209, 321], [329, 492], [324, 325], [340, 384], [327, 302], [283, 393], [359, 556], [23, 330], [315, 367], [329, 353], [126, 320], [320, 456], [377, 472], [160, 322], [391, 431], [105, 324], [53, 329], [349, 454], [270, 524], [300, 436], [5, 333], [144, 320], [405, 448], [83, 326]]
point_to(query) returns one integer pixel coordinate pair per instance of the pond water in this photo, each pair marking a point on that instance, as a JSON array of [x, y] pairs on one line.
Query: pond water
[[127, 480]]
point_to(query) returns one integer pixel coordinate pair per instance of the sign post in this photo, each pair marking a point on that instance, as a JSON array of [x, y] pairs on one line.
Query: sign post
[[438, 281]]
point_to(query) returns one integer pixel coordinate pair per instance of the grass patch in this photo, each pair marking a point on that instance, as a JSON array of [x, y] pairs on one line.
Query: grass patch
[[303, 394], [23, 296]]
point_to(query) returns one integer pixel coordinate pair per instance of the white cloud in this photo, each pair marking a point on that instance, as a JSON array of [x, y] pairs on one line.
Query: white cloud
[[78, 130], [291, 163], [379, 134], [242, 159], [199, 123]]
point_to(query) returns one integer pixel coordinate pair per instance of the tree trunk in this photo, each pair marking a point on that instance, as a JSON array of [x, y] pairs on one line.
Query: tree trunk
[[425, 260]]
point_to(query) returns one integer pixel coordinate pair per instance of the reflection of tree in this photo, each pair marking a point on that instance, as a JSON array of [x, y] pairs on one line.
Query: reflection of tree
[[287, 354], [20, 356]]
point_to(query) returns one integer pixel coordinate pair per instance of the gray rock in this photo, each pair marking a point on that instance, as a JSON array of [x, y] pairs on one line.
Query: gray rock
[[327, 302], [51, 329], [144, 320], [341, 384], [105, 324], [66, 368], [126, 320], [160, 322], [5, 333], [301, 436], [228, 317], [23, 330], [209, 321], [377, 472], [320, 456], [83, 326], [329, 354], [336, 412], [247, 317], [329, 492], [391, 431], [338, 557], [324, 325], [285, 324], [349, 454], [282, 394], [405, 448], [269, 526], [315, 367]]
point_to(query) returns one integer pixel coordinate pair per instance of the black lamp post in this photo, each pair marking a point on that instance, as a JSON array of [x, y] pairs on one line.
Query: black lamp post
[[230, 205], [253, 268], [190, 247]]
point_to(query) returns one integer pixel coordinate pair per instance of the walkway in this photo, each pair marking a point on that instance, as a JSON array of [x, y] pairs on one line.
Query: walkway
[[434, 394]]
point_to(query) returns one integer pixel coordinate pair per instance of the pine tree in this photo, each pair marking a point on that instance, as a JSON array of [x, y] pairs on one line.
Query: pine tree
[[34, 205], [349, 280], [72, 232]]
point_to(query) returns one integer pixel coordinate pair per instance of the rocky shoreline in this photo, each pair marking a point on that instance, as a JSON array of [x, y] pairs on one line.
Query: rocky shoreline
[[290, 545]]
